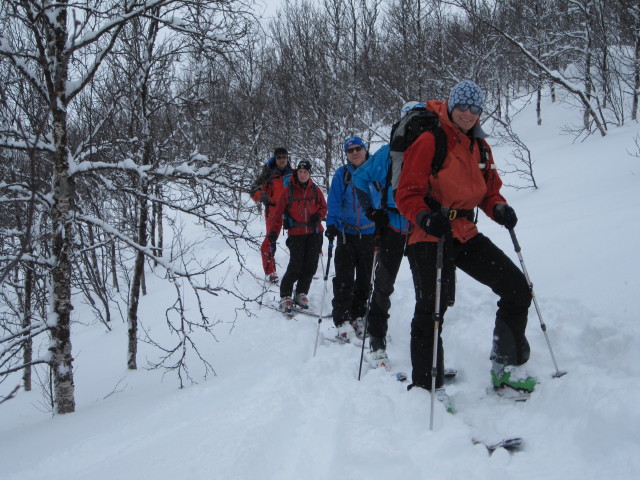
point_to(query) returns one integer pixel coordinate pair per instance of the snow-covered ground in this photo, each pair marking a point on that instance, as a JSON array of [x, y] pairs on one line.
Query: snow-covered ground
[[276, 412]]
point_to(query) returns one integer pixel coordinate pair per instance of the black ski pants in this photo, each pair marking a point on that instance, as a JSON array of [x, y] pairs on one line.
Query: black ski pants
[[304, 251], [390, 256], [485, 262], [351, 285]]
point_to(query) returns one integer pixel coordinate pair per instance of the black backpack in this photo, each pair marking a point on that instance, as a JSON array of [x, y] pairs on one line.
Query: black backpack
[[406, 131]]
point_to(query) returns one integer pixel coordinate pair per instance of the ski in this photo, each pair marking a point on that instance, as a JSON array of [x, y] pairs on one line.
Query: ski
[[308, 312], [511, 394], [355, 341], [511, 444], [401, 376], [450, 374], [295, 310]]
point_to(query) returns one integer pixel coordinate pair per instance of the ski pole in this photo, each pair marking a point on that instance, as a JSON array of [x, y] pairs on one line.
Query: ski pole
[[324, 292], [376, 249], [436, 322], [264, 289], [517, 248], [264, 284]]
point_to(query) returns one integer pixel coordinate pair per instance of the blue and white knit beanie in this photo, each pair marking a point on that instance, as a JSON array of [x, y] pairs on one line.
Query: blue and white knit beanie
[[407, 107], [351, 141], [466, 92]]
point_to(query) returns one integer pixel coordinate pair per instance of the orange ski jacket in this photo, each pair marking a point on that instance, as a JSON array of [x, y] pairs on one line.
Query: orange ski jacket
[[462, 182]]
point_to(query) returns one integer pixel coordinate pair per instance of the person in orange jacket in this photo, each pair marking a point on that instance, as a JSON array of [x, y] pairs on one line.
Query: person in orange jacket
[[300, 208], [466, 180], [266, 189]]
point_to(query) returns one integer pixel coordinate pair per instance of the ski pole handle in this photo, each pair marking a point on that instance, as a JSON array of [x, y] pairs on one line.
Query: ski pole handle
[[326, 272], [516, 245]]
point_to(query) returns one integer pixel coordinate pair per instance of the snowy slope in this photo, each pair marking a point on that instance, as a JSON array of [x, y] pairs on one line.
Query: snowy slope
[[273, 411]]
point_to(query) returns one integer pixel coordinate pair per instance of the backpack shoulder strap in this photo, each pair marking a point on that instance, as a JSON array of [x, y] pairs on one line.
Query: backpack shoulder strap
[[484, 155], [385, 190], [347, 176], [315, 192], [291, 193], [441, 150]]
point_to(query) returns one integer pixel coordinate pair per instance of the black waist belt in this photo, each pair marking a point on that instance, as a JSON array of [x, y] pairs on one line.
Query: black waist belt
[[460, 213], [308, 224], [453, 212]]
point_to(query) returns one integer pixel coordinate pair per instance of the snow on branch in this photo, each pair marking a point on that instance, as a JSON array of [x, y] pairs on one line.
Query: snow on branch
[[553, 74]]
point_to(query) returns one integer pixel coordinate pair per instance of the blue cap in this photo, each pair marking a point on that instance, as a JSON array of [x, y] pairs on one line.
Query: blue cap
[[351, 141]]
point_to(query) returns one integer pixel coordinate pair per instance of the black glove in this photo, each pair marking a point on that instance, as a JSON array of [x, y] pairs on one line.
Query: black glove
[[505, 215], [435, 224], [273, 237], [331, 232], [380, 216], [314, 219], [264, 198]]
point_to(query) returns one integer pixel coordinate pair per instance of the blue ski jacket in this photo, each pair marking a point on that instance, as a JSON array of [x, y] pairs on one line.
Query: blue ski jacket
[[370, 180], [345, 211]]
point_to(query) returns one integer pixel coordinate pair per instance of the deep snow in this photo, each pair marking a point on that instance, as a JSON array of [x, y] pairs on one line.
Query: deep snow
[[273, 411]]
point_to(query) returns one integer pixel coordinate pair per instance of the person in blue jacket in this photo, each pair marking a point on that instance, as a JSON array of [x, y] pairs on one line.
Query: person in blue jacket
[[346, 220], [375, 193]]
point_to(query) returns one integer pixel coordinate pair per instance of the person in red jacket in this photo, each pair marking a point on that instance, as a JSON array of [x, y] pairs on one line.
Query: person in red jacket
[[463, 183], [301, 207], [266, 189]]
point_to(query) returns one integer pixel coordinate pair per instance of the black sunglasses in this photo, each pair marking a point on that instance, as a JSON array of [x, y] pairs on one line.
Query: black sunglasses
[[282, 156], [463, 107], [354, 149]]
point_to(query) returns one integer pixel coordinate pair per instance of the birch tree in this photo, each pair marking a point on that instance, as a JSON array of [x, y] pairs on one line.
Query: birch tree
[[58, 48]]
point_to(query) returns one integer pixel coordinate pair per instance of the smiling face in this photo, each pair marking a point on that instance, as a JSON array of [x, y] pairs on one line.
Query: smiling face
[[356, 155], [465, 120]]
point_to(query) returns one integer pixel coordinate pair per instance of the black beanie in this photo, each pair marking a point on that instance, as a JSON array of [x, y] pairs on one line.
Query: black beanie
[[280, 151], [305, 164]]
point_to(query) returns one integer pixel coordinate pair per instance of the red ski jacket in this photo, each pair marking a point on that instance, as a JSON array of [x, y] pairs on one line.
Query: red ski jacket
[[297, 204]]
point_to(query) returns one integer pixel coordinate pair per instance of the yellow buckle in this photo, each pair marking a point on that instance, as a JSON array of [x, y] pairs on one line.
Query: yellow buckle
[[453, 214]]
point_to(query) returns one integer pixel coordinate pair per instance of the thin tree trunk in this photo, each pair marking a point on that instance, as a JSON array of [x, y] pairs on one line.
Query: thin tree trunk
[[114, 272], [27, 349], [588, 83], [60, 348], [328, 145], [143, 282], [134, 299], [159, 223], [636, 89], [152, 229], [62, 233], [539, 103]]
